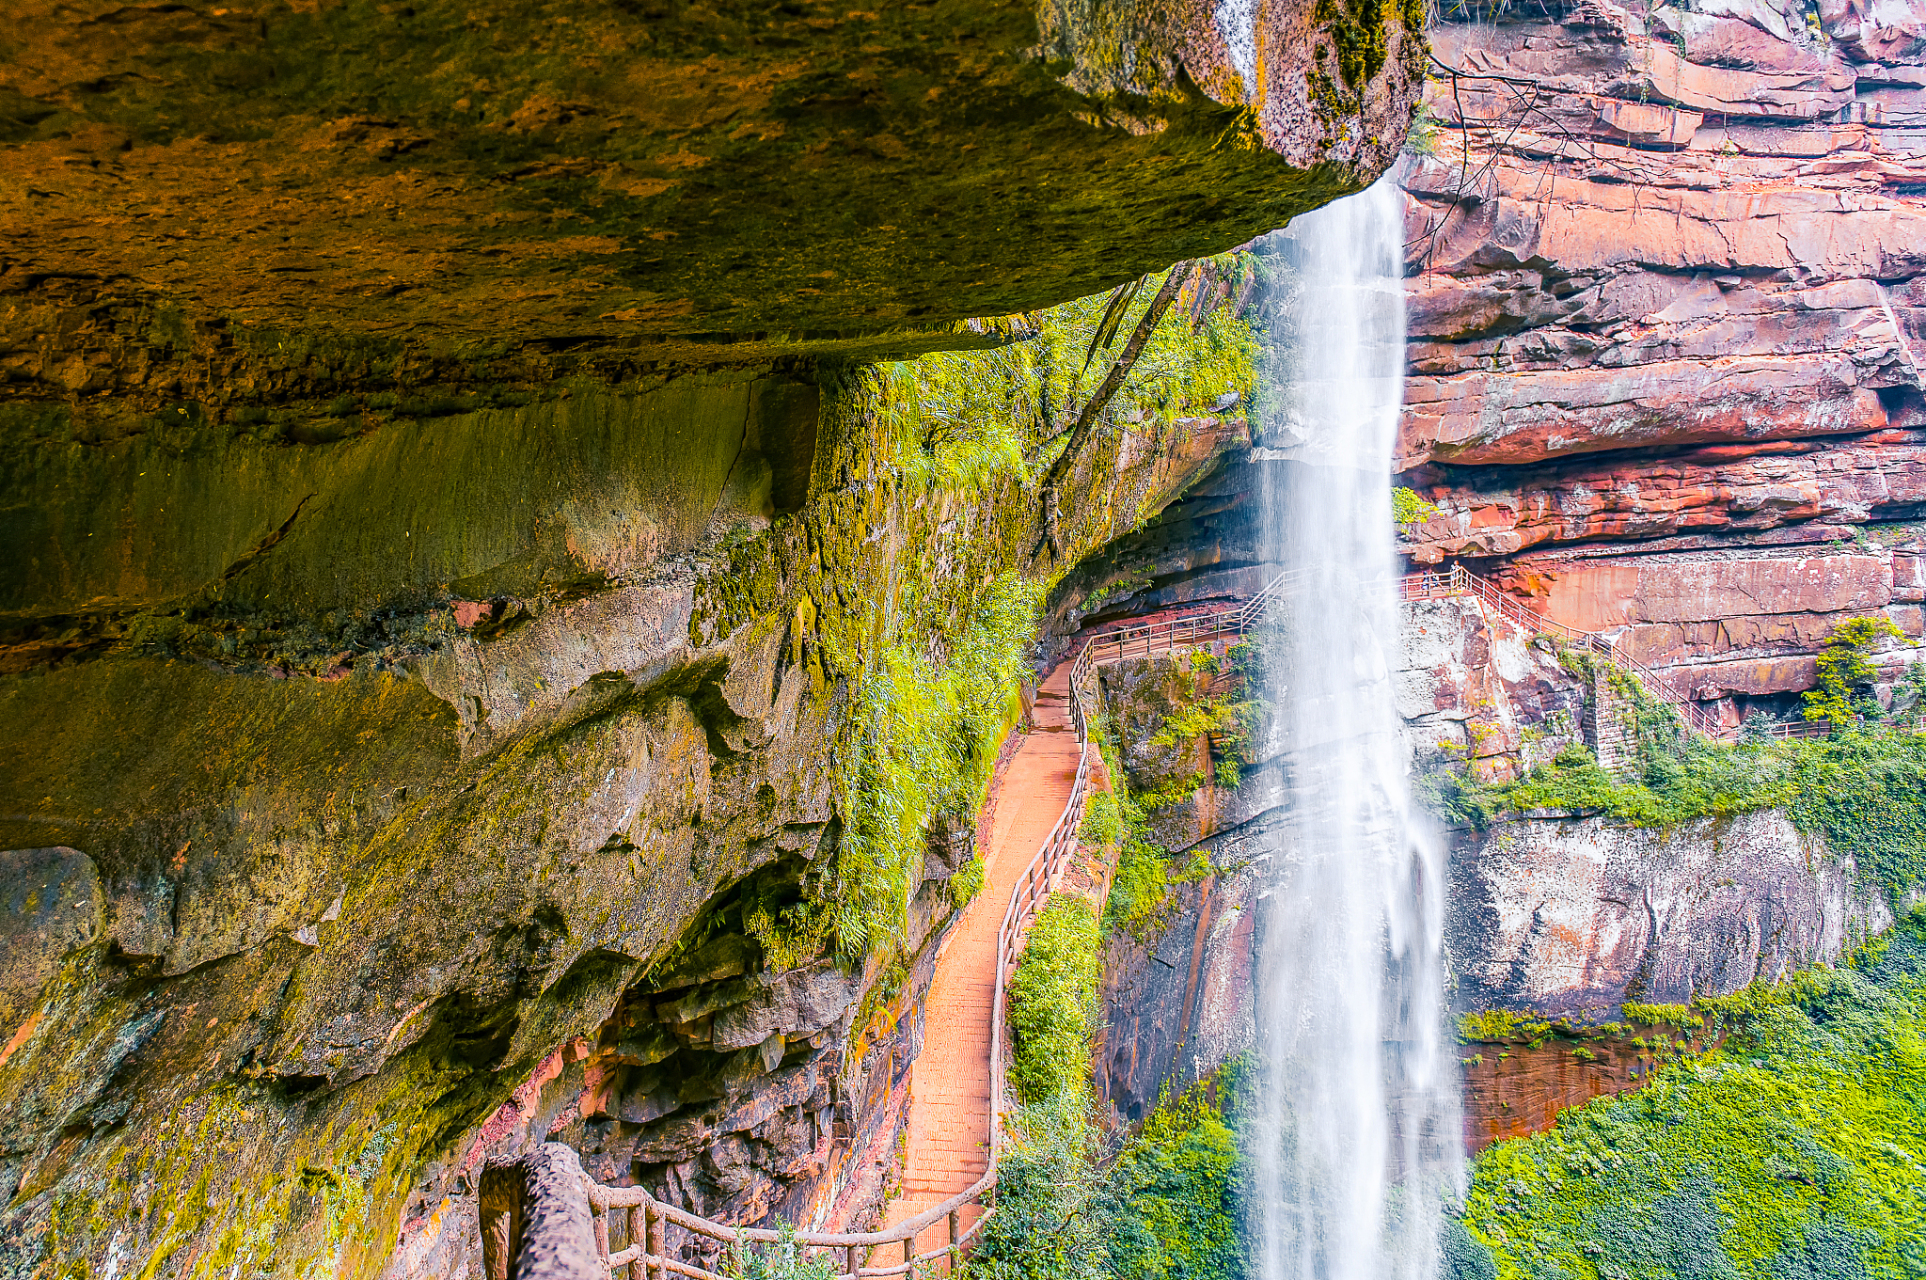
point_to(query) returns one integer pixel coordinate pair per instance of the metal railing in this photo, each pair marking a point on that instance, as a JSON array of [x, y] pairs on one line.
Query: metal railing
[[647, 1218]]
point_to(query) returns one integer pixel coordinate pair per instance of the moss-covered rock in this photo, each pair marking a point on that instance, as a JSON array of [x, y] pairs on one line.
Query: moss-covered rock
[[382, 885], [346, 197]]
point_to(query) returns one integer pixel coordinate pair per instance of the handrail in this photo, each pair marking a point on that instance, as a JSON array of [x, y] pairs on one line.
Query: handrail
[[1461, 581], [646, 1256]]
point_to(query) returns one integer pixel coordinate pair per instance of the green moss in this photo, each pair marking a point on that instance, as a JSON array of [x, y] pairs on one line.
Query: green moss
[[1500, 1025], [965, 883], [922, 741], [1358, 34], [1798, 1149], [1103, 823], [1671, 1015]]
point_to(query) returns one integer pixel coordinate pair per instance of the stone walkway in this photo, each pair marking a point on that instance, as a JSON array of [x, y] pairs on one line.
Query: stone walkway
[[949, 1119]]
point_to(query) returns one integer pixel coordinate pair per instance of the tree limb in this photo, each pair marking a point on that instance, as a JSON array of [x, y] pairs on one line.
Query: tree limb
[[1093, 407]]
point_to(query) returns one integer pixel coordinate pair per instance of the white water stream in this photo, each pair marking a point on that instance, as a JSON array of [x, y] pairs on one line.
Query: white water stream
[[1362, 1113]]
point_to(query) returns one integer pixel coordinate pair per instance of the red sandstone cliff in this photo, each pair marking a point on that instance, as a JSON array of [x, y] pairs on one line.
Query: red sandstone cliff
[[1668, 303]]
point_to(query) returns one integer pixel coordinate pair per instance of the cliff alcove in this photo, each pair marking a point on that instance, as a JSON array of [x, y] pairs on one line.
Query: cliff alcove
[[523, 525], [464, 570]]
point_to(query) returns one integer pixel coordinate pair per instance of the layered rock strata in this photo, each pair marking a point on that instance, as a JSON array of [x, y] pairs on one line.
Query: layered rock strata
[[1666, 326]]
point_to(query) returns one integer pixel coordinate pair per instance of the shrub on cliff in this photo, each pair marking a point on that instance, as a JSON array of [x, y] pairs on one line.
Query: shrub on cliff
[[1053, 1002], [1845, 677], [1798, 1149], [782, 1260]]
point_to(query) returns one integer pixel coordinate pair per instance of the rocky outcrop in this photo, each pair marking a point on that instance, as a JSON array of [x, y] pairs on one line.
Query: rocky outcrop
[[210, 210], [1573, 913], [1666, 327], [1578, 915], [1180, 1005]]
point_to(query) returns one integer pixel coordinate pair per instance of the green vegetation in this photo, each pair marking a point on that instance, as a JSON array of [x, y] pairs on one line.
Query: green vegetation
[[1407, 508], [1139, 900], [1864, 788], [1073, 1201], [1180, 1186], [966, 883], [1053, 1002], [961, 418], [1103, 824], [1166, 1204], [1140, 892], [783, 1260], [1674, 1015], [1140, 885], [1796, 1151], [934, 674], [924, 742], [1358, 32], [1844, 691]]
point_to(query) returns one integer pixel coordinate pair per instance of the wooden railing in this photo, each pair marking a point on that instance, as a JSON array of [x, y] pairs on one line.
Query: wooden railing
[[1462, 582], [646, 1219]]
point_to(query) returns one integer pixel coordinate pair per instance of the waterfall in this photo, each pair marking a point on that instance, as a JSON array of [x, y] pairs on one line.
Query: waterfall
[[1360, 1129]]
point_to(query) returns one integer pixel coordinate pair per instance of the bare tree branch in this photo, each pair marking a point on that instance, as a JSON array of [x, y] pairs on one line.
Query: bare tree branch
[[1100, 399]]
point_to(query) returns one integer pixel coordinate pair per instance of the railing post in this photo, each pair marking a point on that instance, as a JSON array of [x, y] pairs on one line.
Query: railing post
[[953, 1258], [849, 1261], [500, 1198], [658, 1224], [639, 1241], [909, 1257]]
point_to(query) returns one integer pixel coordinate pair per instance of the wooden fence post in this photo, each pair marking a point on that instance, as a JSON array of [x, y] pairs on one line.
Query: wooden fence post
[[500, 1203]]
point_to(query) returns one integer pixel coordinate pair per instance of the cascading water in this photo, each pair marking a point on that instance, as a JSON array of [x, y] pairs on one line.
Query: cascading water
[[1361, 1107]]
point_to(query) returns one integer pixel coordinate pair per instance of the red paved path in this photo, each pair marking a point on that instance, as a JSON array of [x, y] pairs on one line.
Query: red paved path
[[949, 1119]]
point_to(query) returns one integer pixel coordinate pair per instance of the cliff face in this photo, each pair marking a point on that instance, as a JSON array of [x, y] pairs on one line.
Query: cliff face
[[318, 916], [450, 538], [479, 193], [1667, 314]]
